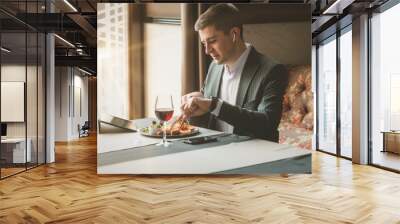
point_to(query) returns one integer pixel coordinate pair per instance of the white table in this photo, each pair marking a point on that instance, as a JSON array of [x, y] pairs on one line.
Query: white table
[[16, 146], [117, 154]]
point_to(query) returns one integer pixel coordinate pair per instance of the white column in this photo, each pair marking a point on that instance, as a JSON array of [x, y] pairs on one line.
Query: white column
[[50, 99], [360, 90], [50, 92]]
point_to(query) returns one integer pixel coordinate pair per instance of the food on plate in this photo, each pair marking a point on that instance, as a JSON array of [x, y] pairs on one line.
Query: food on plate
[[154, 128], [180, 127], [177, 128]]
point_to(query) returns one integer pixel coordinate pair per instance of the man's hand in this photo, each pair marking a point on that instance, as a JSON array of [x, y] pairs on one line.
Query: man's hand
[[195, 106], [186, 97], [185, 100]]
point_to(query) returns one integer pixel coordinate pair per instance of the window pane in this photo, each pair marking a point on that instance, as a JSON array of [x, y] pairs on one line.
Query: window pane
[[385, 84], [13, 86], [163, 72], [31, 99], [346, 94], [327, 96]]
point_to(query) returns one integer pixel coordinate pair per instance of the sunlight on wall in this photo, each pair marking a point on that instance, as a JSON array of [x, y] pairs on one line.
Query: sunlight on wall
[[112, 60]]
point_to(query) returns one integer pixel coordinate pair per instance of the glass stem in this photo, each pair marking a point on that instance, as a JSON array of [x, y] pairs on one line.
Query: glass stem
[[165, 132]]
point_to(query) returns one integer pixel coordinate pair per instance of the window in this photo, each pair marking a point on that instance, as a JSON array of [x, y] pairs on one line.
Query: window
[[162, 48], [327, 95], [385, 83], [346, 93], [334, 63], [394, 102]]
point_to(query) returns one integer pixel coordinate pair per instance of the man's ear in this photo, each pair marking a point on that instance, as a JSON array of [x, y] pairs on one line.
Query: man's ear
[[235, 31]]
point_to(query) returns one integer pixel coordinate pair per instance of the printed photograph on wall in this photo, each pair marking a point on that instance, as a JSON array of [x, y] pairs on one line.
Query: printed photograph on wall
[[204, 88]]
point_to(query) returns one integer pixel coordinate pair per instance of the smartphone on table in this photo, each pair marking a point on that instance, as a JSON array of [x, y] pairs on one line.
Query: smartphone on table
[[200, 140]]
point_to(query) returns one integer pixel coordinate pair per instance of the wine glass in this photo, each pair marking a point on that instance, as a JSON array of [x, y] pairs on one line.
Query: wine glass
[[164, 109]]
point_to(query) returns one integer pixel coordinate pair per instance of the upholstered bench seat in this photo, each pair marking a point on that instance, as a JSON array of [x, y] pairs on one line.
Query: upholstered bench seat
[[296, 127]]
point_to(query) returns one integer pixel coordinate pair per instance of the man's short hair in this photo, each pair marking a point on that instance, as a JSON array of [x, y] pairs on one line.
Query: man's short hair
[[223, 16]]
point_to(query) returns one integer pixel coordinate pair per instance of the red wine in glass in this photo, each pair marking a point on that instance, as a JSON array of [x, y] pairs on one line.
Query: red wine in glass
[[164, 114], [164, 109]]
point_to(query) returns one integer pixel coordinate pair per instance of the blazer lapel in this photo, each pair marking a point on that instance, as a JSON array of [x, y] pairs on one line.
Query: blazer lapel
[[248, 73]]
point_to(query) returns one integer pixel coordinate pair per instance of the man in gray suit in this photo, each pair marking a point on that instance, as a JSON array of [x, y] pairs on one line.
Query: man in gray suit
[[243, 90]]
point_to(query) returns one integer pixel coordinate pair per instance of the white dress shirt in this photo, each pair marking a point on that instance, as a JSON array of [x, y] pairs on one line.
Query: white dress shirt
[[229, 88]]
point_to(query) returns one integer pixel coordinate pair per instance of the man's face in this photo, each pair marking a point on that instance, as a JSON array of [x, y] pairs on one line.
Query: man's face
[[217, 44]]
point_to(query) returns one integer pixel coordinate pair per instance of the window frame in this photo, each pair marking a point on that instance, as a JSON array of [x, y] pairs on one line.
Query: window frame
[[380, 9], [347, 27]]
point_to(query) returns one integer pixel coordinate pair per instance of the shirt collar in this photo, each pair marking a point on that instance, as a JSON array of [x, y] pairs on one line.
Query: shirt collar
[[237, 67]]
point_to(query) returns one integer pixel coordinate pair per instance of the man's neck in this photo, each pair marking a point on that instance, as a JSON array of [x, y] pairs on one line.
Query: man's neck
[[236, 54]]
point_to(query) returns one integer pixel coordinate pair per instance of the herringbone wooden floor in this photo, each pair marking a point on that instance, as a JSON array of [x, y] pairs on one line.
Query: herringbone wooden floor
[[70, 191]]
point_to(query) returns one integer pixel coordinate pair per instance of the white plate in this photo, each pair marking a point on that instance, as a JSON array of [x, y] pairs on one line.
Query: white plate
[[195, 131]]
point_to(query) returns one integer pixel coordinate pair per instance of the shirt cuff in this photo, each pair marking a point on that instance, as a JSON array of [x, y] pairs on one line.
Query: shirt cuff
[[217, 108]]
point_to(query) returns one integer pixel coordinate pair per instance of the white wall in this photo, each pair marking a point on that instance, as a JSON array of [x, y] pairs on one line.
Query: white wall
[[79, 117], [62, 81], [71, 102]]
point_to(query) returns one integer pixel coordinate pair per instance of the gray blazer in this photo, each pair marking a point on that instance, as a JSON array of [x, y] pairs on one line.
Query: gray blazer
[[258, 108]]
